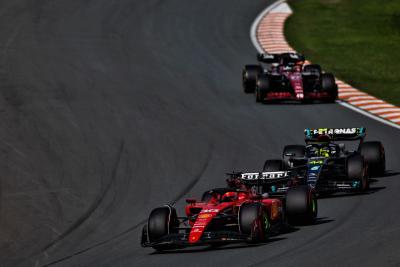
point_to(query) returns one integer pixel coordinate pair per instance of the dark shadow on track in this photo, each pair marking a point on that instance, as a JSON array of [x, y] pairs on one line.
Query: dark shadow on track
[[389, 173], [371, 190], [319, 221], [219, 247], [287, 230], [293, 103]]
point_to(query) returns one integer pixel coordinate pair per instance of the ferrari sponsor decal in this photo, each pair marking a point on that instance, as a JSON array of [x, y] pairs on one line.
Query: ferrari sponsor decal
[[210, 211], [205, 215], [264, 175]]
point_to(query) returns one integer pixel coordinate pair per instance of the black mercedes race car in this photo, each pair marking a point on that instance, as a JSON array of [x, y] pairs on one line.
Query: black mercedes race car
[[325, 164]]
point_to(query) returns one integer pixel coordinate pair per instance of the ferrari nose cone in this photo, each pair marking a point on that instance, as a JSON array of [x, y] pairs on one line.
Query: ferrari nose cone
[[203, 219], [195, 236]]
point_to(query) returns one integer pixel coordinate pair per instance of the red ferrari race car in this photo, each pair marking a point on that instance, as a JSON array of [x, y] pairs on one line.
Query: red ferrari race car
[[229, 215], [288, 78]]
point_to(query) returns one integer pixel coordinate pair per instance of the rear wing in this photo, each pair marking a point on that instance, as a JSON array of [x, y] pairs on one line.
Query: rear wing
[[338, 134], [264, 176], [276, 58], [268, 58]]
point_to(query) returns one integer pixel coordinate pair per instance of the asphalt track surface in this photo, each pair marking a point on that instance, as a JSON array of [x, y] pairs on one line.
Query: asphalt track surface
[[111, 108]]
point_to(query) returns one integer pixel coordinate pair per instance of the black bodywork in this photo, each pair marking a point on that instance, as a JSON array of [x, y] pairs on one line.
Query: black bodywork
[[326, 165]]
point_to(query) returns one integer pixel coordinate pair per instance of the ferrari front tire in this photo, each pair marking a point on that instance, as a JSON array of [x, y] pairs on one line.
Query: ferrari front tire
[[249, 77], [262, 87], [162, 221]]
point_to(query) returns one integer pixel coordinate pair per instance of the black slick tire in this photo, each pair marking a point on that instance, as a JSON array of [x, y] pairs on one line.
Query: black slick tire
[[374, 155], [262, 87], [355, 168], [301, 205], [329, 85], [249, 77], [162, 221], [254, 222]]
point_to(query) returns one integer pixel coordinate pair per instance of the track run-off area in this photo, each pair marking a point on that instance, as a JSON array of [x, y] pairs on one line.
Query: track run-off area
[[112, 108]]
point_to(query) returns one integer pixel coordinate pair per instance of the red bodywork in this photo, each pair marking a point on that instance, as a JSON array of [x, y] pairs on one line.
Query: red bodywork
[[207, 211], [293, 89]]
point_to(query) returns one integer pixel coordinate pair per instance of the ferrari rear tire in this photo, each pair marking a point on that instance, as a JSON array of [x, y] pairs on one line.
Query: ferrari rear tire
[[301, 205], [329, 85], [249, 77], [162, 221], [374, 156], [254, 221]]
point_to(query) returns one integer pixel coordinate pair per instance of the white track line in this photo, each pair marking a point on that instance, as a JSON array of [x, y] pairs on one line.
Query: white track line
[[369, 115]]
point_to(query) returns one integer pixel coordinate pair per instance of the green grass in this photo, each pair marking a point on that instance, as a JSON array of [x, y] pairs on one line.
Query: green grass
[[357, 40]]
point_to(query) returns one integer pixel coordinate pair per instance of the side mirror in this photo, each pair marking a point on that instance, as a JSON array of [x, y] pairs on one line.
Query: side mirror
[[190, 200]]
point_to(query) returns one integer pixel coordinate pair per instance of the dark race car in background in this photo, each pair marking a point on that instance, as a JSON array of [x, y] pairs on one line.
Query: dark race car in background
[[287, 78], [229, 215], [325, 164], [267, 63]]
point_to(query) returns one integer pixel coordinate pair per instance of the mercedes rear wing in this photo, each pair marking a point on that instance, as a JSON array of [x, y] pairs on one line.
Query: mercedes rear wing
[[335, 134]]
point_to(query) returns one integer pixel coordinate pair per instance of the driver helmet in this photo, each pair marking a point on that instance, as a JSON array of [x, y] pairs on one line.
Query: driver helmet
[[324, 151]]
